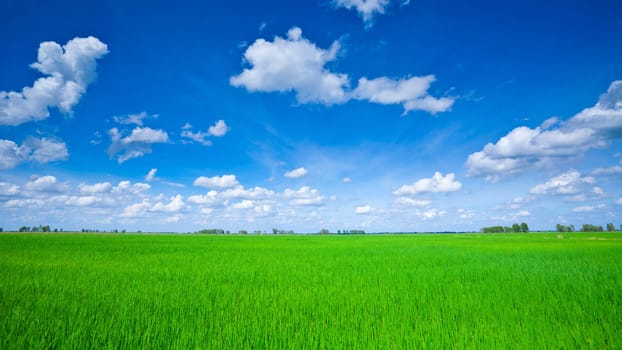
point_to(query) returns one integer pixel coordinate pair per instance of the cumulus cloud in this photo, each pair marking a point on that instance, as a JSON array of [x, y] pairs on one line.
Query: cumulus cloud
[[411, 93], [570, 182], [225, 181], [363, 209], [41, 150], [526, 148], [304, 196], [101, 187], [619, 201], [347, 180], [244, 204], [8, 189], [176, 204], [435, 184], [298, 65], [219, 129], [293, 64], [69, 69], [296, 173], [367, 9], [127, 187], [41, 184], [136, 144]]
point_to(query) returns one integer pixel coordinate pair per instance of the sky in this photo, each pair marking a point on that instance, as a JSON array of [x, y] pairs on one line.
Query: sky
[[380, 115]]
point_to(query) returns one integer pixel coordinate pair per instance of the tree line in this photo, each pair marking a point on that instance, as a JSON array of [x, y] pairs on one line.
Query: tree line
[[586, 228], [515, 228]]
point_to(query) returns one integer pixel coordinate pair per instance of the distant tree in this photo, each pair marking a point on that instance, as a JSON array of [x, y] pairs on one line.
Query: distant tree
[[572, 229], [24, 229], [243, 232], [1, 229], [492, 229], [591, 228], [610, 227], [516, 228], [523, 227], [324, 231], [338, 232], [559, 228]]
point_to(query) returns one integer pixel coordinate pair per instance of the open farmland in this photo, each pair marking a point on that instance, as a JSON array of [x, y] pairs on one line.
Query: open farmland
[[374, 291]]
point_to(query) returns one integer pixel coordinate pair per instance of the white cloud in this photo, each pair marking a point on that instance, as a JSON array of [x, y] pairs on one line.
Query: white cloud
[[151, 175], [225, 181], [407, 201], [137, 144], [251, 193], [211, 198], [430, 214], [583, 209], [296, 173], [136, 119], [176, 204], [127, 187], [135, 210], [347, 180], [363, 209], [41, 150], [219, 129], [70, 69], [101, 187], [435, 184], [525, 148], [10, 155], [367, 9], [293, 64], [297, 65], [619, 201], [613, 170], [465, 214], [7, 189], [412, 93], [245, 204], [570, 182], [41, 184], [304, 196]]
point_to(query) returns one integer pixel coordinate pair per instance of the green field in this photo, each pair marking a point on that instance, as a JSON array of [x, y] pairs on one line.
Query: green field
[[521, 291]]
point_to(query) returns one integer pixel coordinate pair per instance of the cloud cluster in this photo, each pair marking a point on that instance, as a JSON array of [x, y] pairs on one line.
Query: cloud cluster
[[69, 69], [367, 9], [219, 129], [304, 196], [412, 93], [296, 64], [572, 185], [437, 183], [136, 144], [525, 148], [40, 150]]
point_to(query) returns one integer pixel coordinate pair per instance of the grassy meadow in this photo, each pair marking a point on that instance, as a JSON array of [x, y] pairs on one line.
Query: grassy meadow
[[519, 291]]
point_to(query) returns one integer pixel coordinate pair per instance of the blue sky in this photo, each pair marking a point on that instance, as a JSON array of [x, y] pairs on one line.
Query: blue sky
[[341, 114]]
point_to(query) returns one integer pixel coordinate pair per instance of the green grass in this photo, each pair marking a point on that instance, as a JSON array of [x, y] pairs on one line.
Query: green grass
[[521, 291]]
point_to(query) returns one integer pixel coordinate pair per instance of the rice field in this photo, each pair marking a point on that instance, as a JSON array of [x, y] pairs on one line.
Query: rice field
[[520, 291]]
